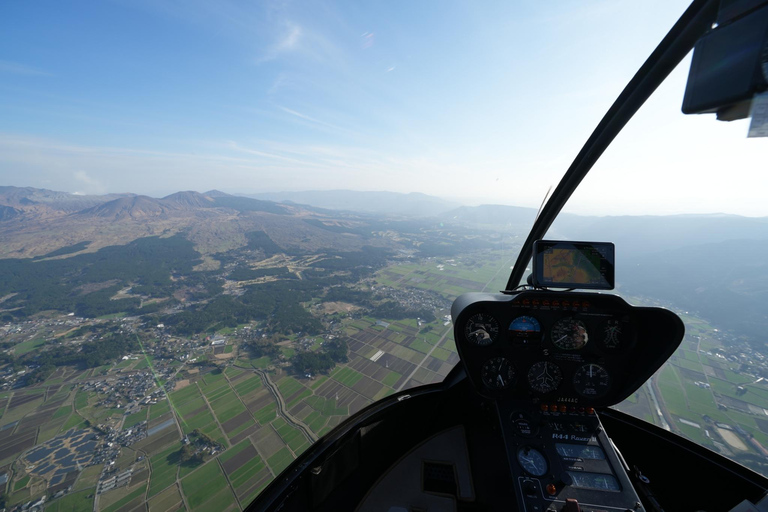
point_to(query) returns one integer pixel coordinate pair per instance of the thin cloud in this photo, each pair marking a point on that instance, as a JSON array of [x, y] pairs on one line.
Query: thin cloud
[[14, 68], [368, 40], [308, 118], [288, 41]]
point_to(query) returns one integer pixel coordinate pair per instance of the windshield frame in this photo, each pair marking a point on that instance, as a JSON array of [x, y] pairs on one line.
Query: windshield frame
[[678, 42]]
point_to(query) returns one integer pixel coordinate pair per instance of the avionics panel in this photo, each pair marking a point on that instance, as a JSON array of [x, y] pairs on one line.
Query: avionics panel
[[566, 264], [564, 349]]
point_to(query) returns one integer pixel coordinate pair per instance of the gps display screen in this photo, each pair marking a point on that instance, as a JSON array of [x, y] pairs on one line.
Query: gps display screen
[[565, 264]]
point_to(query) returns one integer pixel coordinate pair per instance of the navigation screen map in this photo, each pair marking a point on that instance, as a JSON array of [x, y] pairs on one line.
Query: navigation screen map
[[562, 264]]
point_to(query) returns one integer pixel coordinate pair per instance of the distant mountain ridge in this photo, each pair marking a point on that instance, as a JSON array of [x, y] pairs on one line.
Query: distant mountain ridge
[[29, 198], [632, 234], [414, 204], [38, 222]]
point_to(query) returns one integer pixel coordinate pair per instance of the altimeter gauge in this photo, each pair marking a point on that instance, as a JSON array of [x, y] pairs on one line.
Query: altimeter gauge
[[497, 373], [481, 329], [569, 334]]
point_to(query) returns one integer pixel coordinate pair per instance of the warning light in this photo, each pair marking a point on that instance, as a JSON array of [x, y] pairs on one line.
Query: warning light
[[590, 410], [551, 489]]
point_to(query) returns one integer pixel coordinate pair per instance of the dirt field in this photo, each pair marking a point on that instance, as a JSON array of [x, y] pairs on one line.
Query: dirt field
[[330, 308], [732, 439], [238, 460], [181, 384]]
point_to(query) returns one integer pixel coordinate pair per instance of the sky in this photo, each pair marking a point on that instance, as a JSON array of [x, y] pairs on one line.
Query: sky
[[481, 102]]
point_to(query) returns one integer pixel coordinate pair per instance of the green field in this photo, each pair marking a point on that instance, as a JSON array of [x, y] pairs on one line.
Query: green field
[[158, 409], [76, 502], [346, 375], [245, 472], [28, 346], [203, 484], [266, 413], [279, 461], [325, 406], [126, 500], [133, 419], [290, 435], [391, 378], [62, 412], [247, 385], [164, 466]]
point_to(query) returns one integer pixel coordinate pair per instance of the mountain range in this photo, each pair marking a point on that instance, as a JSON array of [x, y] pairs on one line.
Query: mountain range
[[713, 264], [35, 222]]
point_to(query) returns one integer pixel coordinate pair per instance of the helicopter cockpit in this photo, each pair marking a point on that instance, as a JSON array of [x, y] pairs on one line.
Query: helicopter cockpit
[[524, 421], [548, 359]]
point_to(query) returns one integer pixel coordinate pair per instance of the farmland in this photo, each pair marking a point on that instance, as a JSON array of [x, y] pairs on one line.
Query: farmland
[[195, 431], [247, 417]]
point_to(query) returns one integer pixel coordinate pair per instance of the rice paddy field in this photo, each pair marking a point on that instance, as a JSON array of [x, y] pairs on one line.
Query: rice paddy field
[[262, 416]]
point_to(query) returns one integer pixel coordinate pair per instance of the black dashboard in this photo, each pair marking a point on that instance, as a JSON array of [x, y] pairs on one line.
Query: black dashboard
[[562, 349], [547, 360]]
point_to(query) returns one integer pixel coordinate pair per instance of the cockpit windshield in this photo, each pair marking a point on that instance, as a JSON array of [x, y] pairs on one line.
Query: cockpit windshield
[[227, 228]]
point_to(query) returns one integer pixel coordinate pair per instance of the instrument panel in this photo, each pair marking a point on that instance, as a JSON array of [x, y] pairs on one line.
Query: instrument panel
[[568, 349]]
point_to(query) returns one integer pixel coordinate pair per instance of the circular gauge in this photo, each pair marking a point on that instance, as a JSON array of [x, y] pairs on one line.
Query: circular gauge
[[481, 329], [522, 424], [591, 381], [497, 373], [525, 330], [569, 334], [612, 334], [544, 377], [532, 461]]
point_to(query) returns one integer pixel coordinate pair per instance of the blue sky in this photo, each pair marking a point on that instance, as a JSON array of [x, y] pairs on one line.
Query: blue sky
[[484, 102]]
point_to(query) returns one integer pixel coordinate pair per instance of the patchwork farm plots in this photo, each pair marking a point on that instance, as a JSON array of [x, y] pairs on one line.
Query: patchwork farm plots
[[59, 440]]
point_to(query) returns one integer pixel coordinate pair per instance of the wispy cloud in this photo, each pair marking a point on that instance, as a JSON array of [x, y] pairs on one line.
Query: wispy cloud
[[308, 118], [367, 40], [14, 68], [288, 40], [278, 84]]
